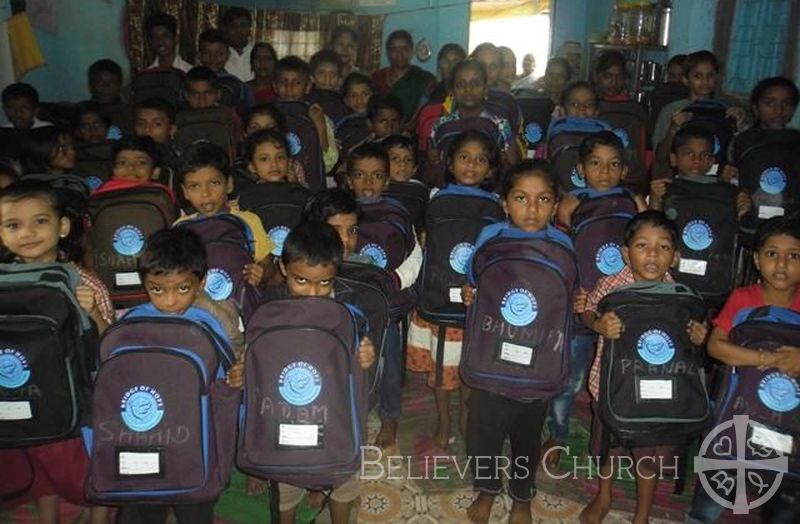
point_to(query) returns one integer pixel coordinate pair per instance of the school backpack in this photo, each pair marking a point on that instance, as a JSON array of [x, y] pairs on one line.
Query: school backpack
[[385, 232], [279, 205], [94, 162], [652, 379], [210, 124], [48, 350], [72, 191], [121, 115], [351, 130], [413, 194], [229, 247], [304, 403], [537, 111], [447, 131], [303, 140], [705, 212], [710, 115], [629, 120], [564, 136], [598, 226], [770, 398], [454, 218], [121, 220], [163, 421], [332, 102], [164, 84], [769, 171], [660, 97], [518, 330], [503, 104]]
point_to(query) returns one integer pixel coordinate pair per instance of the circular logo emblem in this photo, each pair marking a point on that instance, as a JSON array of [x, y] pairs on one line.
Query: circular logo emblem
[[576, 179], [299, 383], [93, 182], [219, 285], [773, 180], [278, 235], [533, 133], [459, 256], [375, 252], [14, 370], [128, 241], [623, 137], [697, 235], [717, 146], [655, 347], [519, 307], [295, 145], [142, 408], [608, 259], [779, 392]]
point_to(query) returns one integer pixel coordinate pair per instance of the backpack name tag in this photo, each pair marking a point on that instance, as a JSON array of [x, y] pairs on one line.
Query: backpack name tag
[[655, 389], [139, 463], [766, 212], [693, 266], [305, 435], [766, 438], [130, 278], [516, 354], [455, 295], [17, 410]]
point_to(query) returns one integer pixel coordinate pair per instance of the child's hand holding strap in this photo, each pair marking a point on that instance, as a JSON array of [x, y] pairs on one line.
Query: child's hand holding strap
[[468, 294], [366, 353], [787, 360], [85, 297], [579, 302], [609, 325], [697, 331], [743, 204], [235, 377], [254, 274]]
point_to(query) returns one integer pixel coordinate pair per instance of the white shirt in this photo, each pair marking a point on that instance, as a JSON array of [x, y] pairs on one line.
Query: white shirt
[[239, 64], [178, 63], [36, 123]]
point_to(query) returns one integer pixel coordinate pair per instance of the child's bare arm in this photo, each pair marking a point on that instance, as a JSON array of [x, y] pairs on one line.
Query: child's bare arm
[[579, 302], [565, 209], [787, 360], [366, 353], [609, 325], [729, 353], [697, 331], [743, 204], [86, 300], [468, 294], [317, 116], [658, 189], [254, 274], [235, 377], [641, 205]]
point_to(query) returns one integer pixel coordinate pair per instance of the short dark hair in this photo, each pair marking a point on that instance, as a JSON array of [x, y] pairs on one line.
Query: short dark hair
[[37, 148], [689, 132], [380, 102], [85, 108], [164, 20], [325, 56], [609, 59], [263, 136], [268, 110], [211, 36], [145, 144], [173, 250], [603, 138], [572, 86], [651, 218], [774, 81], [294, 64], [232, 13], [20, 90], [105, 65], [203, 154], [401, 141], [786, 225], [158, 104], [401, 34], [469, 63], [700, 57], [367, 150], [678, 59], [355, 78], [330, 202], [315, 243], [201, 74], [529, 167], [472, 135]]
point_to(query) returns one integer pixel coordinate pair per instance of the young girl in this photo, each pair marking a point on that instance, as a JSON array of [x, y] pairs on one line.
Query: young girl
[[530, 196], [262, 61], [470, 160], [609, 77], [267, 116], [777, 258], [35, 229], [268, 155], [47, 150], [578, 99]]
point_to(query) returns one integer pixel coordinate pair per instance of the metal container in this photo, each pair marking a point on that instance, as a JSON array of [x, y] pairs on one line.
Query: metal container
[[663, 26]]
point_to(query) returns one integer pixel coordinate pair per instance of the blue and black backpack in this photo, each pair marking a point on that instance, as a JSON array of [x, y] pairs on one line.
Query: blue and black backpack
[[711, 116], [564, 137], [385, 232]]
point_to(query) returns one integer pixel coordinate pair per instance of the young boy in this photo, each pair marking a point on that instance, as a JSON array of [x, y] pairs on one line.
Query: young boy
[[203, 90], [326, 70], [649, 252], [21, 107], [214, 53], [173, 269], [206, 183], [384, 116], [340, 210], [311, 258], [105, 82], [155, 117], [357, 90], [292, 83], [161, 30], [136, 163]]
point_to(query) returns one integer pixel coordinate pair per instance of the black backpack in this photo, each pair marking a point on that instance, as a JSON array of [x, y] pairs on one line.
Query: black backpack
[[652, 379], [705, 212], [211, 124], [413, 194], [164, 84], [279, 205], [385, 232], [49, 349], [710, 115], [332, 102], [564, 136], [537, 111], [447, 132], [303, 140], [94, 162], [629, 120]]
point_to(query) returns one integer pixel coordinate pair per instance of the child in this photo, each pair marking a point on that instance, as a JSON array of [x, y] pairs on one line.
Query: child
[[530, 197], [344, 43], [340, 210], [47, 150], [292, 83], [267, 154], [578, 99], [206, 182], [91, 126], [161, 30], [609, 77], [402, 158], [557, 74], [312, 255], [470, 160], [21, 106], [202, 88], [357, 90], [777, 259], [173, 270], [35, 229], [262, 61], [155, 117], [649, 252], [326, 70], [267, 116], [213, 52], [105, 82], [384, 116]]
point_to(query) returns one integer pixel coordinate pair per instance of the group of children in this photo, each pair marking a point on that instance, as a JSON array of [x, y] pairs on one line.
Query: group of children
[[472, 146]]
